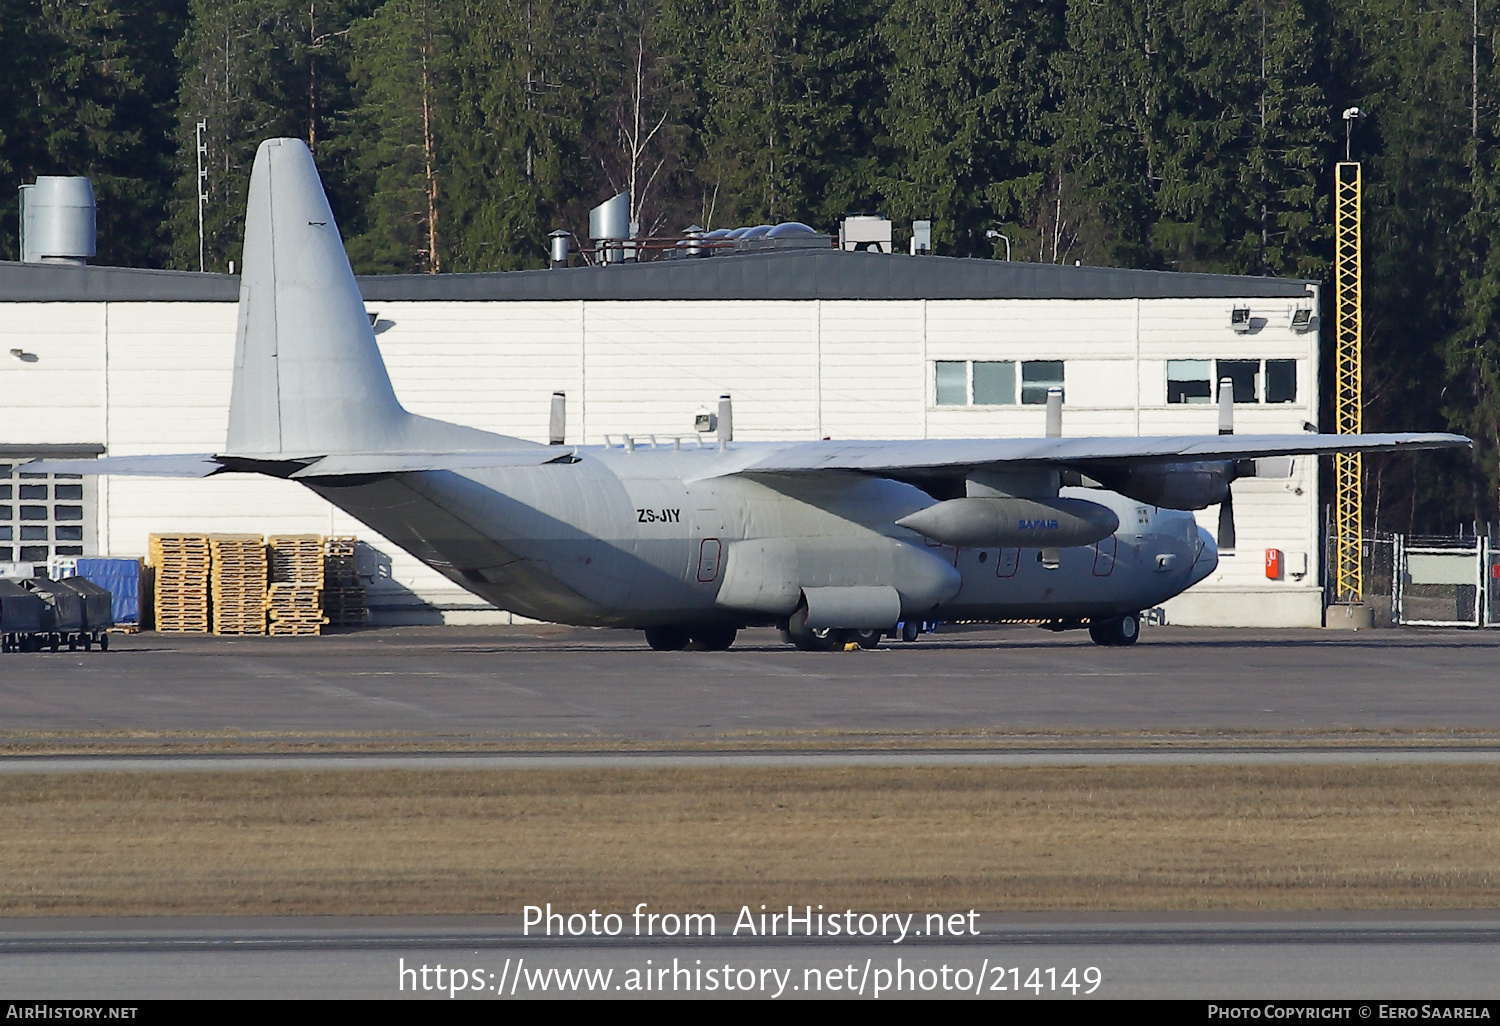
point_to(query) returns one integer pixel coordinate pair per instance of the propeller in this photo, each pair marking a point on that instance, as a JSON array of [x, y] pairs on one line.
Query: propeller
[[1226, 427], [1226, 521]]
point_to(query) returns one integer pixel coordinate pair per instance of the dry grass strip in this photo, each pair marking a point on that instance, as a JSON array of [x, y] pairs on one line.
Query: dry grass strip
[[246, 742], [333, 842]]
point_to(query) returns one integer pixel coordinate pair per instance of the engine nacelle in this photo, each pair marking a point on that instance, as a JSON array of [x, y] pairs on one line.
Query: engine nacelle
[[1195, 485], [1003, 522]]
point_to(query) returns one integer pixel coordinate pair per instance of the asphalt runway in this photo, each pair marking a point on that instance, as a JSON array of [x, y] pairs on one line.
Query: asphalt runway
[[1367, 958], [543, 681], [1012, 696]]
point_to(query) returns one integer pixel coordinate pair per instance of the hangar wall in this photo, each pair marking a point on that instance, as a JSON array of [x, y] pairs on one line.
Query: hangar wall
[[142, 376]]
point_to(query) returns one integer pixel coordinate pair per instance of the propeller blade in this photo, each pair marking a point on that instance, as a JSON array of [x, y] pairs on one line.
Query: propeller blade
[[1226, 521]]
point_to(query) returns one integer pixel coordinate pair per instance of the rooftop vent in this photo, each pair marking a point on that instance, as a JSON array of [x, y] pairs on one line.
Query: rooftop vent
[[870, 232], [609, 222], [57, 220], [921, 237]]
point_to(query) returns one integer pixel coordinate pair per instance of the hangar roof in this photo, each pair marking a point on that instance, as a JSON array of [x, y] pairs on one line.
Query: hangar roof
[[796, 274]]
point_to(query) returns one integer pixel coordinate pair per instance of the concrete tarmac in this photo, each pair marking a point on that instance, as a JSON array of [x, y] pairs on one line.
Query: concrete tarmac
[[525, 682], [1364, 958]]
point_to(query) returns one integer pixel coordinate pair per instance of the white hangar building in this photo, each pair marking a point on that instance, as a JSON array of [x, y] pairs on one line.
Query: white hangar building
[[810, 343]]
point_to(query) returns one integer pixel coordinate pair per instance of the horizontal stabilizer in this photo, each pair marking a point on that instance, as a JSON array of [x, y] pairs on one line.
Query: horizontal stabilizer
[[345, 464], [184, 465]]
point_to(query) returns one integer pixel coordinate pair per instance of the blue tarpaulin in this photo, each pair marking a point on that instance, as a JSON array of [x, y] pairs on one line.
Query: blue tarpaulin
[[122, 579]]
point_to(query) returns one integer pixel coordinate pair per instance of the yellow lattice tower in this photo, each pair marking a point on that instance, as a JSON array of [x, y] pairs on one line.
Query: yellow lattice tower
[[1348, 402]]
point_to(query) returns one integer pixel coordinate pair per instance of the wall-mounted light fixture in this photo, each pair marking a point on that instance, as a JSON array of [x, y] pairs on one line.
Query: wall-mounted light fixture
[[23, 355], [1302, 319], [1239, 319]]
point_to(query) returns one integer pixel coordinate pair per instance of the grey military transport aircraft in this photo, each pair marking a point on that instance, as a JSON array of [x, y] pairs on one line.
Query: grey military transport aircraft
[[830, 541]]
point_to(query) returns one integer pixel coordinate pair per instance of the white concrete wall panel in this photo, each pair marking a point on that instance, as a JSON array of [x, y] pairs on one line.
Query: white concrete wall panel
[[53, 390], [170, 371], [1029, 329], [155, 377], [873, 376], [651, 365], [488, 365]]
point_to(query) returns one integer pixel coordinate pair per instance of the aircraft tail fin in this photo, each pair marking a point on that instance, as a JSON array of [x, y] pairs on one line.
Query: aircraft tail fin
[[308, 376]]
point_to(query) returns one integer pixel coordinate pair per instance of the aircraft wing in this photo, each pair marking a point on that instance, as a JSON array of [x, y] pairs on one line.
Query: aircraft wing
[[941, 455], [337, 465]]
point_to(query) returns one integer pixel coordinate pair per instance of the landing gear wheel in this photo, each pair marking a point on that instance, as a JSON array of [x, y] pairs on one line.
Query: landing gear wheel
[[866, 639], [715, 639], [88, 644], [911, 630], [104, 642], [810, 639], [1115, 633], [72, 644], [668, 639]]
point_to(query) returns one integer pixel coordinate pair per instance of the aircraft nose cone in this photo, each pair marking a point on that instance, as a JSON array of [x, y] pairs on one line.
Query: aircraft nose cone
[[1208, 557]]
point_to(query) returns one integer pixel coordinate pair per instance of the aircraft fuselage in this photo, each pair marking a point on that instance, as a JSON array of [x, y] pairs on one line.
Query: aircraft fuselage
[[654, 537]]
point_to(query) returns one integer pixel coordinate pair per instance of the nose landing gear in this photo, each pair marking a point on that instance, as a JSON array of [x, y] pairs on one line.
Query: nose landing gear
[[1124, 631], [675, 639]]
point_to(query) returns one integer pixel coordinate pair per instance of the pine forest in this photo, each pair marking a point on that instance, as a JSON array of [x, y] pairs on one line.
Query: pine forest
[[1193, 135]]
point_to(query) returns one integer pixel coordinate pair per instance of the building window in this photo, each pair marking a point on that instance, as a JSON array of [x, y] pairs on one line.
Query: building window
[[952, 382], [52, 509], [1037, 378], [1255, 381], [1188, 381], [994, 383], [1281, 381], [1246, 377]]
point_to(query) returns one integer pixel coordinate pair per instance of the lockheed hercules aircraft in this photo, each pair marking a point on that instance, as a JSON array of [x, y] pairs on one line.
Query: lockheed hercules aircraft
[[830, 541]]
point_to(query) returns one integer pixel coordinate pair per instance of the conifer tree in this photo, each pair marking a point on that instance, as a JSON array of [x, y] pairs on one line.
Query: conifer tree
[[965, 121], [87, 90]]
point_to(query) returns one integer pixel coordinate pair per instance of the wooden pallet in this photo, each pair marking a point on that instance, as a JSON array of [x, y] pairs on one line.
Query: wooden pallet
[[180, 565], [345, 607], [295, 609], [343, 590], [239, 583], [296, 559]]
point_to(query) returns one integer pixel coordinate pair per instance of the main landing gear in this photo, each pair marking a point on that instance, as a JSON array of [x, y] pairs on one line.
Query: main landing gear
[[1124, 631], [675, 639], [826, 639]]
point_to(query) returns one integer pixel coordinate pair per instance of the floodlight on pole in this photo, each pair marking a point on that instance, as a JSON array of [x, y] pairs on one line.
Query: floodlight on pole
[[995, 233], [1351, 115], [1348, 401]]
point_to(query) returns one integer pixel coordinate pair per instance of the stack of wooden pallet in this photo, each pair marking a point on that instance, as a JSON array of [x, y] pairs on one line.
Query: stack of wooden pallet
[[343, 591], [294, 599], [180, 565], [238, 583]]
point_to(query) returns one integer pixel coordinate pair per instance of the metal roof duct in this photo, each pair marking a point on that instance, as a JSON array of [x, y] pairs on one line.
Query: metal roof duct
[[57, 220], [610, 222]]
